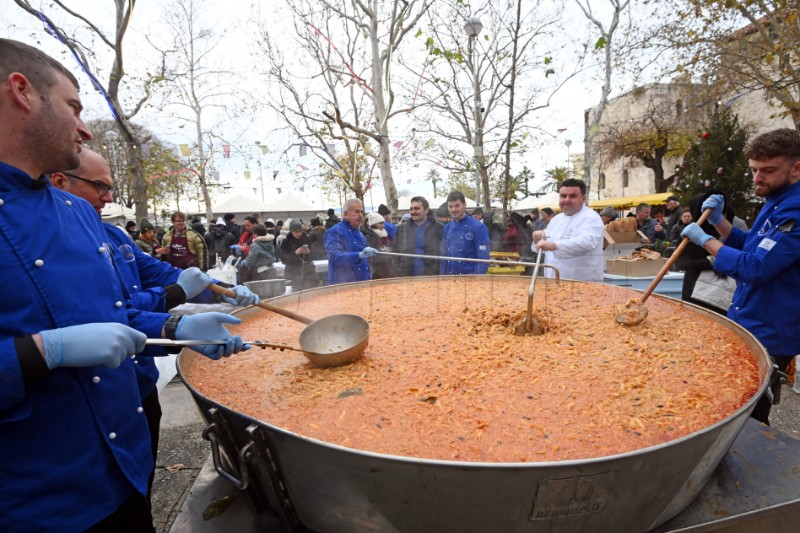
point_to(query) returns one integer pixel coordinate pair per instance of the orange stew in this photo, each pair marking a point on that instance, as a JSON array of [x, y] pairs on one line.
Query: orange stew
[[444, 377]]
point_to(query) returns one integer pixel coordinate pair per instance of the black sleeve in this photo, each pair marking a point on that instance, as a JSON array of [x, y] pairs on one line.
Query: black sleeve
[[174, 296], [31, 363]]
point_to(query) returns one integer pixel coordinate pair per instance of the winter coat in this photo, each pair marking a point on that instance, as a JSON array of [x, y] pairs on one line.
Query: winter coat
[[406, 243], [219, 241]]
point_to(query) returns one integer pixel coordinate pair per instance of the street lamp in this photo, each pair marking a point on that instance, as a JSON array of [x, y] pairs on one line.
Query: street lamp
[[473, 28], [568, 143]]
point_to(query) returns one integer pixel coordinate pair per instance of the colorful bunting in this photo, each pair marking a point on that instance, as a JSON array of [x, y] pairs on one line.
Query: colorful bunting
[[185, 150], [226, 150]]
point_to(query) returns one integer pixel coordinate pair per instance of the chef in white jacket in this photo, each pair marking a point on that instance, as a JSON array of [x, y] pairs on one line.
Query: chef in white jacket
[[574, 238]]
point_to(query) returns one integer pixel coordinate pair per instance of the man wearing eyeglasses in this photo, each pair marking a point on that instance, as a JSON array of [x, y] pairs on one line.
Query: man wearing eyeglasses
[[150, 285]]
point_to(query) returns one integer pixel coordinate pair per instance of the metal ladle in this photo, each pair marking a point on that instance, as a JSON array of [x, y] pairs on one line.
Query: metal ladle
[[333, 340], [530, 326]]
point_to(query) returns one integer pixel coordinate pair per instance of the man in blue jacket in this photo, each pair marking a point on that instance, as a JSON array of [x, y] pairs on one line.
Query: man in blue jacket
[[765, 261], [463, 237], [348, 253], [75, 447]]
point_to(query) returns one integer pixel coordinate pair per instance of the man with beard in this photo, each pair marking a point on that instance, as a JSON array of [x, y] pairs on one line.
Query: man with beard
[[348, 252], [422, 235], [765, 261], [573, 241]]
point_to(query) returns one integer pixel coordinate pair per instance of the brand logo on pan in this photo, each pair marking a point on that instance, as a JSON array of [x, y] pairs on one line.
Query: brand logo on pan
[[579, 495]]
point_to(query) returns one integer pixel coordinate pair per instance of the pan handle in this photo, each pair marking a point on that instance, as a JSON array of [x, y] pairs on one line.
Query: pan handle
[[245, 454]]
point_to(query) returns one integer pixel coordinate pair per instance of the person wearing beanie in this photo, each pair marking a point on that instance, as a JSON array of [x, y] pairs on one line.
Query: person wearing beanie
[[295, 253], [232, 225], [130, 228], [197, 225], [147, 241], [608, 214], [388, 225], [219, 241], [377, 236]]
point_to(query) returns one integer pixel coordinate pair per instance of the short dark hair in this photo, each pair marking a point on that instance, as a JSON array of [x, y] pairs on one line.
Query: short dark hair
[[228, 217], [641, 207], [38, 67], [251, 219], [456, 195], [477, 211], [260, 230], [775, 143], [549, 211], [421, 200], [574, 182], [383, 210]]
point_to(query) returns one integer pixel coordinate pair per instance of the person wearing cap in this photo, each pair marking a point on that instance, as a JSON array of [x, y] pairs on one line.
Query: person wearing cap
[[673, 211], [388, 225], [296, 256], [377, 236], [607, 214], [147, 241], [219, 241], [130, 228], [347, 248]]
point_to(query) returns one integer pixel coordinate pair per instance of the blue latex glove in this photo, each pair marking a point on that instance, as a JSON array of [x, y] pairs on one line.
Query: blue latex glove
[[696, 234], [209, 326], [236, 249], [244, 296], [193, 281], [717, 203], [367, 252], [107, 344]]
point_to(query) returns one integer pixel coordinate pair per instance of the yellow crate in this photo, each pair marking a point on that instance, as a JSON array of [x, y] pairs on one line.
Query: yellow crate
[[510, 270]]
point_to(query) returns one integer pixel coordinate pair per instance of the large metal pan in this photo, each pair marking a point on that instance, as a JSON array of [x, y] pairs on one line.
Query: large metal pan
[[330, 488]]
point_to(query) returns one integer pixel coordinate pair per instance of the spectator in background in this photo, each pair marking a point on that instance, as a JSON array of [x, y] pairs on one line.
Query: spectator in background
[[147, 241], [233, 227], [347, 248], [295, 252], [197, 225], [675, 234], [477, 214], [547, 215], [130, 229], [246, 239], [183, 247], [219, 241], [388, 225], [382, 266], [463, 237], [259, 261], [316, 238], [607, 214], [674, 211], [534, 221], [651, 228], [332, 219], [421, 234]]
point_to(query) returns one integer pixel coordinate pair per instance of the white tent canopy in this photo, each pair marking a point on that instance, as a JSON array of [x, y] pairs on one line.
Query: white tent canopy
[[240, 204], [117, 214]]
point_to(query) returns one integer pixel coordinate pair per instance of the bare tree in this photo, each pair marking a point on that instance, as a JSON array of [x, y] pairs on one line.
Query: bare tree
[[114, 84], [352, 45], [606, 44], [515, 47]]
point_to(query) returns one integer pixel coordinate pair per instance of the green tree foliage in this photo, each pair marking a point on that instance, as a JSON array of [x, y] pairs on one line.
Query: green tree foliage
[[716, 159], [554, 177]]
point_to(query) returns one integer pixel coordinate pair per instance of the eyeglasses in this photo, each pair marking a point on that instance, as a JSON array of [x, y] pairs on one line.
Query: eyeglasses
[[100, 187]]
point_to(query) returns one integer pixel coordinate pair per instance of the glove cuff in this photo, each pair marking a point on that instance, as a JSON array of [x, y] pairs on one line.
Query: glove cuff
[[51, 340], [715, 220]]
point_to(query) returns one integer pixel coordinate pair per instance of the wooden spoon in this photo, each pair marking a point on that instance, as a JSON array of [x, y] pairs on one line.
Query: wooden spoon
[[634, 311]]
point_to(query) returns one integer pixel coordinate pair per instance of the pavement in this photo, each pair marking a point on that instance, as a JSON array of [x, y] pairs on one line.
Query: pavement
[[183, 452]]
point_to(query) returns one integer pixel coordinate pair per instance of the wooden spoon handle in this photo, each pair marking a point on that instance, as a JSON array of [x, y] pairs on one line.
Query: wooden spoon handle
[[284, 312], [672, 259]]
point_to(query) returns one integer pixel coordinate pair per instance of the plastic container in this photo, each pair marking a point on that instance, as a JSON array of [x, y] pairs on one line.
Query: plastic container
[[226, 275]]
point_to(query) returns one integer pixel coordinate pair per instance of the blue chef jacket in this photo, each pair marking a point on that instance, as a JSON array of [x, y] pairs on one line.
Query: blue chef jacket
[[75, 445], [343, 242], [765, 262], [465, 238]]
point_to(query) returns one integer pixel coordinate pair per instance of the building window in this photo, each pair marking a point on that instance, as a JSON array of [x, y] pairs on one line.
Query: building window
[[624, 178], [601, 181]]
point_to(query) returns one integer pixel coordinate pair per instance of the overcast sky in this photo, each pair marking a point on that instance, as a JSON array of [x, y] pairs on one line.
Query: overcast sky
[[566, 111]]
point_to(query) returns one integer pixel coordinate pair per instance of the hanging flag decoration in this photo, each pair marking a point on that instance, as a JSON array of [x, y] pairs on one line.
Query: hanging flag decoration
[[430, 143], [303, 149], [279, 190], [303, 167], [146, 150], [409, 181], [264, 148], [247, 174], [330, 148], [302, 188], [185, 150], [274, 174], [226, 150], [398, 144], [560, 130]]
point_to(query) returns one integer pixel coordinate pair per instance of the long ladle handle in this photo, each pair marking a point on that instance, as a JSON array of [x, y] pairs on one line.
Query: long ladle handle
[[284, 312], [672, 259]]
